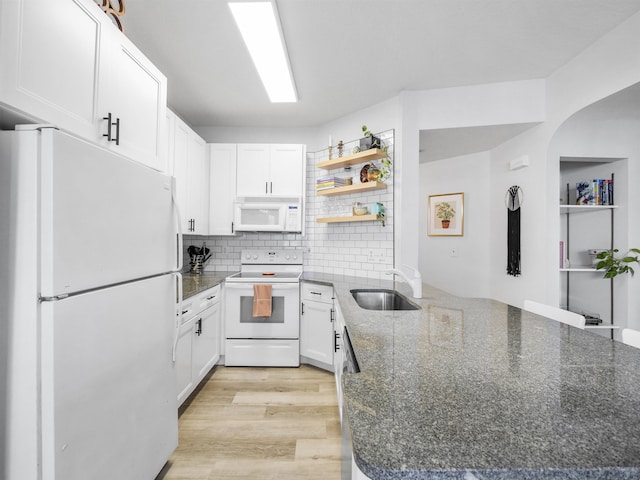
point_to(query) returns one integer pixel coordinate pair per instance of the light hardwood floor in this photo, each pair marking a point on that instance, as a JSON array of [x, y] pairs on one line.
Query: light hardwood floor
[[259, 423]]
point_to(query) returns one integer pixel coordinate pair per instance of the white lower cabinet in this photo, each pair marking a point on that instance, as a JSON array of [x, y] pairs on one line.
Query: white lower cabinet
[[317, 325], [338, 353], [206, 340], [183, 363], [198, 344]]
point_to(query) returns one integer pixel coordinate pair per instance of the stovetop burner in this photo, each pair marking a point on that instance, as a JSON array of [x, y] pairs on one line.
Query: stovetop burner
[[269, 266]]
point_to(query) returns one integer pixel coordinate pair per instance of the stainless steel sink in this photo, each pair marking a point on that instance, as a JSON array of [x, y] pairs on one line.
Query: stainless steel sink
[[380, 299]]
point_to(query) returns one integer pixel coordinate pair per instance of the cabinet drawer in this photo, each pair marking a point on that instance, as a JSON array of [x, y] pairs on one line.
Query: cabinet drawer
[[207, 298], [317, 293], [185, 309], [196, 304]]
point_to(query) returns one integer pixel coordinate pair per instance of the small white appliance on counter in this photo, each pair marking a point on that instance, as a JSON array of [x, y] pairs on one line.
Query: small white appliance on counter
[[87, 290], [261, 215], [264, 341]]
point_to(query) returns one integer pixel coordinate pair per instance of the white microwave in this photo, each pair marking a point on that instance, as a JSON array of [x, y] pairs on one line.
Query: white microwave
[[268, 217]]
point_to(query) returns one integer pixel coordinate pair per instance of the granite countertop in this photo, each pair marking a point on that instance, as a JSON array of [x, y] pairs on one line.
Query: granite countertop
[[192, 284], [477, 389]]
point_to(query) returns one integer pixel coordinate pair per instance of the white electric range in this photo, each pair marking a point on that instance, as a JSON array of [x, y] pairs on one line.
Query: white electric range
[[264, 340]]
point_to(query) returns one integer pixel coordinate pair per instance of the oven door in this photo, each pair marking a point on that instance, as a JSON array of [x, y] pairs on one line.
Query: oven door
[[284, 321]]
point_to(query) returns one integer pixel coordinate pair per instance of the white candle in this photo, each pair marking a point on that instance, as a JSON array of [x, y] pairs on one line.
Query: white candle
[[330, 142]]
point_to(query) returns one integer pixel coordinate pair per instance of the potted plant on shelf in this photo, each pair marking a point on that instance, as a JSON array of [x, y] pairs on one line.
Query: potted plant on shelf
[[369, 140], [613, 265], [445, 212]]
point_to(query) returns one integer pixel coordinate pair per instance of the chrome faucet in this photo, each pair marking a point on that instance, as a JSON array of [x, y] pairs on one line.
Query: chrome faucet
[[415, 282]]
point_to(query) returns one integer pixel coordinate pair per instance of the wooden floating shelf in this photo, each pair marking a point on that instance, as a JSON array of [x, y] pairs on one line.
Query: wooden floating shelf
[[356, 158], [357, 188], [354, 218]]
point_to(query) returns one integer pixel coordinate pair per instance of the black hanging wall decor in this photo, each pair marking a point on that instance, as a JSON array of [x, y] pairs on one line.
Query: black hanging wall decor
[[513, 201]]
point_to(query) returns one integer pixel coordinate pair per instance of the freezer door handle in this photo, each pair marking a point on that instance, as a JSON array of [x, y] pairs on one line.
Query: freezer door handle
[[178, 218]]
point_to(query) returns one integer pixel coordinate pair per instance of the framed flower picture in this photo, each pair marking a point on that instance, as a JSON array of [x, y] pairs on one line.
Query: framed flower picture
[[446, 215]]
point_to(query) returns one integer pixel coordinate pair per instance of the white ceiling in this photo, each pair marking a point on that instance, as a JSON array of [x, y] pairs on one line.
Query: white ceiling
[[349, 54]]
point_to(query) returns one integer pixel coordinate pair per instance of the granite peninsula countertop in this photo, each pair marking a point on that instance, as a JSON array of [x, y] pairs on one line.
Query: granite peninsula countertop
[[476, 389], [192, 284]]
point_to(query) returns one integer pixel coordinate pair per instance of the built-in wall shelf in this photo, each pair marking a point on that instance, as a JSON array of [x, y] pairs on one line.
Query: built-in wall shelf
[[356, 188], [353, 218], [356, 158], [581, 269], [584, 208]]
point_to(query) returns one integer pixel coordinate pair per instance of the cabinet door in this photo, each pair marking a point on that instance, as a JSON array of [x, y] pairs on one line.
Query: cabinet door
[[286, 170], [135, 94], [198, 189], [170, 128], [222, 188], [206, 341], [316, 331], [253, 170], [51, 62], [338, 355], [184, 361], [181, 171]]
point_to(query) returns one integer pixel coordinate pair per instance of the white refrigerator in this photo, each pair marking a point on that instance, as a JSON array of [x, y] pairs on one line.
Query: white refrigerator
[[90, 242]]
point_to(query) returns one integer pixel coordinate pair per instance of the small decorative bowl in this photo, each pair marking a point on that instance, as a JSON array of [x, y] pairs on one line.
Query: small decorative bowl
[[360, 210]]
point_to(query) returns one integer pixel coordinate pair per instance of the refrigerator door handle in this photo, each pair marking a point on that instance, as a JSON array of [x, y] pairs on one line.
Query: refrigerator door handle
[[179, 313], [178, 218]]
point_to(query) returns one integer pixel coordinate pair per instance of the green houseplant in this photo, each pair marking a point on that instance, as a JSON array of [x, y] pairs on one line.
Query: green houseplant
[[369, 140], [613, 265], [445, 212]]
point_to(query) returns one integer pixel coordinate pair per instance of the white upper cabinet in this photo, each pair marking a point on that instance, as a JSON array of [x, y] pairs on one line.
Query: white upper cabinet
[[222, 187], [270, 170], [65, 63], [253, 170], [287, 170], [135, 94], [51, 61], [191, 169]]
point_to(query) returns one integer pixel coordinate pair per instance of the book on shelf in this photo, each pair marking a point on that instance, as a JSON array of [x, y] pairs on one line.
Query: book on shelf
[[323, 183], [596, 192]]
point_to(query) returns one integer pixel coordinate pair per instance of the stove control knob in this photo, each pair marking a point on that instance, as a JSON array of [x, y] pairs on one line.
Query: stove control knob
[[295, 257], [287, 257], [247, 256], [255, 257]]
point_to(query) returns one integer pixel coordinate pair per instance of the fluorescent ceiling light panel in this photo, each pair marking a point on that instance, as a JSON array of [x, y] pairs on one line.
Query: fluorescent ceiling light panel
[[259, 25]]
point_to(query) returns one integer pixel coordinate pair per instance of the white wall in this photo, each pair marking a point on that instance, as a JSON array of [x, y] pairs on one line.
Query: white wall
[[306, 136], [494, 104], [465, 274], [606, 67]]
